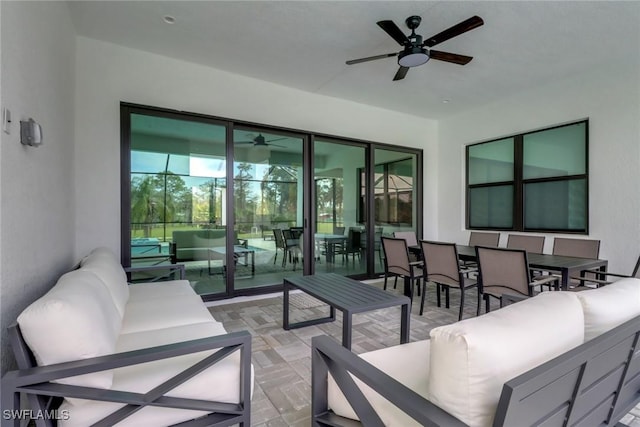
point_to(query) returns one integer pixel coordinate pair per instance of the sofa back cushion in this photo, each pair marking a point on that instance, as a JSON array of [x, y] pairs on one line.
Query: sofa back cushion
[[609, 306], [75, 320], [103, 263], [471, 360], [194, 244]]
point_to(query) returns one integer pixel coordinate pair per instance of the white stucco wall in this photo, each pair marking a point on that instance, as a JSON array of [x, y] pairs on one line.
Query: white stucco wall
[[610, 98], [108, 74], [36, 184]]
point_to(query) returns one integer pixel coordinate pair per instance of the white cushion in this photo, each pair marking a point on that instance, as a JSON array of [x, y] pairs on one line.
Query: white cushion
[[168, 289], [219, 382], [609, 306], [157, 313], [472, 359], [104, 264], [407, 363], [75, 320]]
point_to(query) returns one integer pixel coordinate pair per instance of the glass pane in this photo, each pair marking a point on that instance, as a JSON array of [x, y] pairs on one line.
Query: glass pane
[[177, 196], [394, 193], [556, 205], [340, 184], [491, 162], [267, 186], [555, 152], [491, 207]]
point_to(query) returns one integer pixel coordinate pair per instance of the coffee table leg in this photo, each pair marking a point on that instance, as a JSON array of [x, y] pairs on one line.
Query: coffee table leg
[[346, 330], [404, 324]]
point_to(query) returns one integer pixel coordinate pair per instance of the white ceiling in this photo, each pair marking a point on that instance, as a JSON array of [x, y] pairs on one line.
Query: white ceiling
[[304, 44]]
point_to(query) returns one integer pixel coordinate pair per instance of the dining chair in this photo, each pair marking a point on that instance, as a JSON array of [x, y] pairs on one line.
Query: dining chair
[[281, 244], [579, 248], [595, 277], [442, 268], [352, 245], [397, 263], [484, 239], [506, 271], [291, 241], [409, 236], [531, 244]]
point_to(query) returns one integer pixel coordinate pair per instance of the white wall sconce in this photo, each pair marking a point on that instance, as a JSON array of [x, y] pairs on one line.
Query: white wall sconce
[[30, 133]]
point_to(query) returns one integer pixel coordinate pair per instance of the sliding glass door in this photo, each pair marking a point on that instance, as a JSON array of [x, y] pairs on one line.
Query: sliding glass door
[[339, 228], [177, 194], [242, 206], [267, 214]]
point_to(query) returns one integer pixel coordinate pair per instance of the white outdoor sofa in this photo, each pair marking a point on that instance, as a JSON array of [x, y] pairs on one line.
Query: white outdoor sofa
[[557, 359], [147, 354]]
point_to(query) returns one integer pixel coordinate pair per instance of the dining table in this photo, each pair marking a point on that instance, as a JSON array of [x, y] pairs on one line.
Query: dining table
[[566, 266]]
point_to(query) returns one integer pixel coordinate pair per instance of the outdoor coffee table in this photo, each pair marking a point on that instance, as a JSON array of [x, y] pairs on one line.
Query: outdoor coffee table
[[348, 296]]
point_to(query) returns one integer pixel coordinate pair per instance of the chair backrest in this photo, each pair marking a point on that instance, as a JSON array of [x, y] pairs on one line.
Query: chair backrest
[[409, 236], [441, 263], [354, 238], [581, 248], [296, 232], [279, 238], [484, 239], [533, 244], [396, 255], [503, 271], [338, 230]]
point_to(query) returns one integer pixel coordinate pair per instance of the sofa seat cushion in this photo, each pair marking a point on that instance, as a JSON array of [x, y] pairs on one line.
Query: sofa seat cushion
[[168, 289], [472, 359], [103, 263], [156, 313], [609, 306], [75, 320], [219, 382], [407, 363]]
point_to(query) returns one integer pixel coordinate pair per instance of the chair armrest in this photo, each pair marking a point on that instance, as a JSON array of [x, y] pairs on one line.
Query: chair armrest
[[35, 381], [173, 267], [601, 273], [328, 356]]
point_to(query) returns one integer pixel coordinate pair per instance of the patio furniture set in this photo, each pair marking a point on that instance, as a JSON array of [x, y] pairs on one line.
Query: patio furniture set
[[151, 354]]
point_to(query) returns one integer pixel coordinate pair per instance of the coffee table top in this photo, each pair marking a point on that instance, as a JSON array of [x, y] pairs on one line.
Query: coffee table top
[[346, 294]]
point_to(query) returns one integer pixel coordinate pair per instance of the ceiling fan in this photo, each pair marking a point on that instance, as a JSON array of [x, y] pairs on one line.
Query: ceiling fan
[[416, 52], [260, 141]]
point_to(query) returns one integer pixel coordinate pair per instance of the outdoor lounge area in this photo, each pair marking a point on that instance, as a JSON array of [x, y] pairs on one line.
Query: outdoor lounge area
[[236, 213]]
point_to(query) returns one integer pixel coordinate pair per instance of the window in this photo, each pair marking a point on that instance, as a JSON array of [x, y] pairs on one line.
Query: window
[[536, 181]]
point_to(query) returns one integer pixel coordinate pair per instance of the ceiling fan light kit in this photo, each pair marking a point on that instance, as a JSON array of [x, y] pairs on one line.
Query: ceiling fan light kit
[[415, 52]]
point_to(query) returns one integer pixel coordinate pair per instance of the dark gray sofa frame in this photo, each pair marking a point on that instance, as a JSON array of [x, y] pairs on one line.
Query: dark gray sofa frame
[[594, 384], [44, 395]]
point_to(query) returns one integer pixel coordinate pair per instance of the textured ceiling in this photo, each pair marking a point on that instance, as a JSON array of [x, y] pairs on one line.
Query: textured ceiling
[[305, 44]]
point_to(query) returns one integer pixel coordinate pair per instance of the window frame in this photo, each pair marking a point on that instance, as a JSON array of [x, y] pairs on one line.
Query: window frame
[[519, 183]]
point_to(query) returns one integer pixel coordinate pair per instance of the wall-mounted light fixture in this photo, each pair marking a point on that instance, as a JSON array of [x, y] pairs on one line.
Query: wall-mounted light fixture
[[30, 133]]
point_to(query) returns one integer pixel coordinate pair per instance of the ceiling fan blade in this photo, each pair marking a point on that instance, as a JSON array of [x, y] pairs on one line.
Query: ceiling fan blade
[[243, 142], [456, 30], [450, 57], [402, 71], [371, 58], [396, 33], [276, 145]]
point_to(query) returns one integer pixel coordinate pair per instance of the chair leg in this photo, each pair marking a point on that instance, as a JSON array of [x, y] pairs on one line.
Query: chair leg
[[487, 304], [461, 303], [275, 257], [446, 296], [395, 282], [418, 287], [438, 290], [478, 305], [424, 293]]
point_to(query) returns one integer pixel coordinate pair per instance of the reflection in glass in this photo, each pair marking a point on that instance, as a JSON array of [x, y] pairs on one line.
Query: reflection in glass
[[556, 205], [491, 162], [337, 232], [491, 207], [267, 188], [177, 196], [555, 152]]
